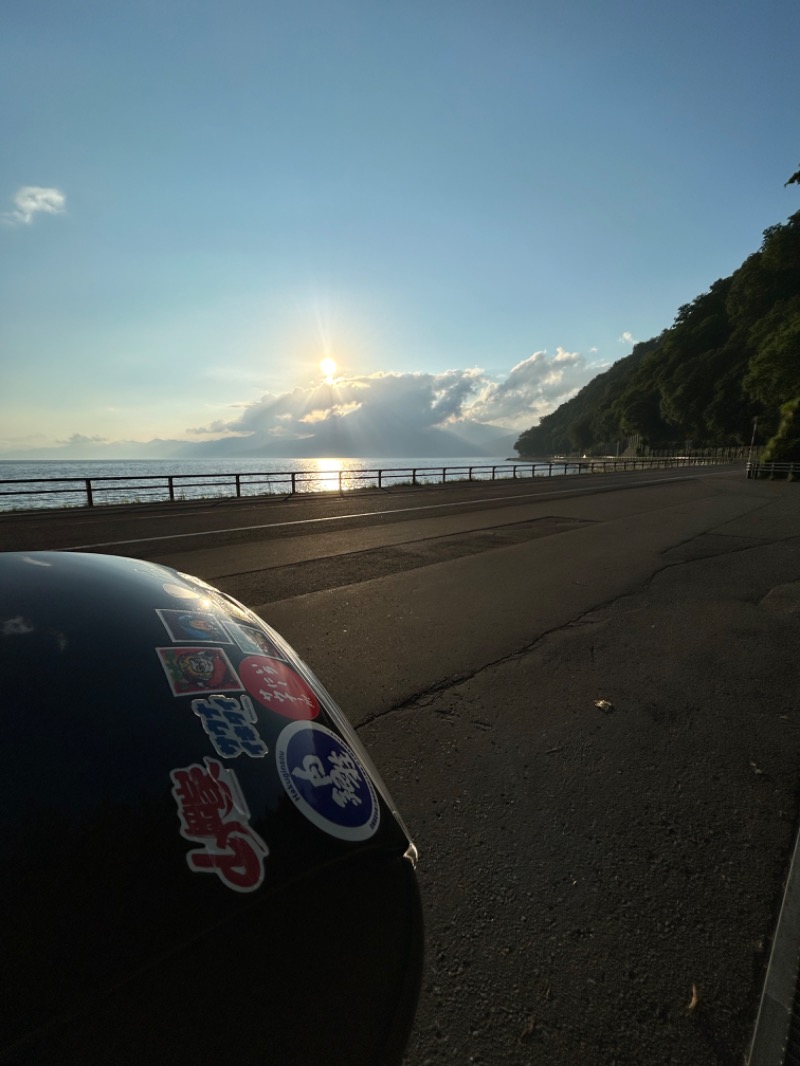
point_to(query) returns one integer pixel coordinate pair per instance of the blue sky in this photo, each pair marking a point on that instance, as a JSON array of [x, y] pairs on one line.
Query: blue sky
[[471, 207]]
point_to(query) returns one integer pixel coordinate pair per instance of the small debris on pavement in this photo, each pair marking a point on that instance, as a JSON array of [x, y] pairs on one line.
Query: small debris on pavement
[[694, 1000], [604, 705], [528, 1031]]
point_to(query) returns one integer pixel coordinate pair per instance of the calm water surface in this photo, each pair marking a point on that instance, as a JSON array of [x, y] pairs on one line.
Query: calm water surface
[[141, 480]]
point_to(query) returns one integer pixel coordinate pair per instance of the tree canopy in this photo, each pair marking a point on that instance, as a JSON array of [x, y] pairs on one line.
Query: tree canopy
[[732, 355]]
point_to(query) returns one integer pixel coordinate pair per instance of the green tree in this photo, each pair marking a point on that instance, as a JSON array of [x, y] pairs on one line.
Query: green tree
[[773, 375], [784, 447]]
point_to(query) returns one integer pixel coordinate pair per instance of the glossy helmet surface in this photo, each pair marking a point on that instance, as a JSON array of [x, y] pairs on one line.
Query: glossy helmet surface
[[199, 861]]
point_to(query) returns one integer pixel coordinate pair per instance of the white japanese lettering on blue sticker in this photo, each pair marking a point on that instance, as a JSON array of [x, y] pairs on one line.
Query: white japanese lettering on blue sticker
[[230, 724], [325, 780]]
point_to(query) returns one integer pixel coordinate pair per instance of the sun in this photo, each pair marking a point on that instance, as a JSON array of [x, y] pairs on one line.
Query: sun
[[328, 368]]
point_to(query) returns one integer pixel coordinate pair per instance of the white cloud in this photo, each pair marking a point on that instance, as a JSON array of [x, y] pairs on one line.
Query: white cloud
[[627, 338], [33, 200], [533, 388], [369, 403], [81, 438], [403, 411], [454, 412], [339, 410], [217, 428]]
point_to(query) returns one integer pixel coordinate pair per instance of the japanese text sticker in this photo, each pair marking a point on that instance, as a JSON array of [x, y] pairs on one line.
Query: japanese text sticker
[[326, 782], [231, 726], [275, 685], [213, 813]]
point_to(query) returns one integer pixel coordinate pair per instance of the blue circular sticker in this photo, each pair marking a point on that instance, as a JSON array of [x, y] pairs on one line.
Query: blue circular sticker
[[326, 782]]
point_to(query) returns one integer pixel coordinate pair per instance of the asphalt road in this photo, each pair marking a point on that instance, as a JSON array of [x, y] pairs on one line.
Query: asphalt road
[[587, 872]]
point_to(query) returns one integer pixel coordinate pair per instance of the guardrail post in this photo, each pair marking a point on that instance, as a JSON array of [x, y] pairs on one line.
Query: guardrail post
[[414, 476], [380, 479], [238, 486], [340, 482], [470, 473], [89, 497], [444, 474], [514, 475], [171, 489], [293, 482]]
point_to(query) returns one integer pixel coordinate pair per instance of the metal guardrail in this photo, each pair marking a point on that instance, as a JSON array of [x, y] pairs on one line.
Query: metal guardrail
[[172, 487], [789, 471]]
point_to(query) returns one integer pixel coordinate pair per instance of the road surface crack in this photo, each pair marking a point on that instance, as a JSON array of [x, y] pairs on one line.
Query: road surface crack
[[430, 696]]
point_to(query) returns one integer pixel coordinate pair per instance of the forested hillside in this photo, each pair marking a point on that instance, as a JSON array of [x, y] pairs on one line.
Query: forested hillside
[[731, 356]]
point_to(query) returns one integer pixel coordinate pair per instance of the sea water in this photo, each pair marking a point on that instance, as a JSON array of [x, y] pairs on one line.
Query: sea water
[[22, 487]]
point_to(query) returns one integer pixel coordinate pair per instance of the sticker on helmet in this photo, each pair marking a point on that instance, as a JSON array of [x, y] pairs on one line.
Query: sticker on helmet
[[326, 782], [194, 580], [231, 726], [151, 569], [193, 626], [213, 812], [180, 592], [253, 640], [275, 685], [198, 670]]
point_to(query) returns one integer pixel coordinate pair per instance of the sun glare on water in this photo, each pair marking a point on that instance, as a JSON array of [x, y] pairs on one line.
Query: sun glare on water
[[328, 368]]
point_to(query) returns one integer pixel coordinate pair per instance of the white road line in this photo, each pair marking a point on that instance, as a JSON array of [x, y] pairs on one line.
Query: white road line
[[372, 514]]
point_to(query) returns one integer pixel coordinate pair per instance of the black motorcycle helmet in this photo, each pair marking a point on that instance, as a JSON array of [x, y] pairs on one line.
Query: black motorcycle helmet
[[198, 862]]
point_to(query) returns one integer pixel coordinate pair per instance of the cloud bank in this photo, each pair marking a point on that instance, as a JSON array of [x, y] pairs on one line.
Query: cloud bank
[[464, 412], [82, 438], [32, 200], [405, 413]]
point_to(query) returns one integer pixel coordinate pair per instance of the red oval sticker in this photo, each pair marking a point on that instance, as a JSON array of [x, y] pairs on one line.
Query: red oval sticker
[[277, 687]]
